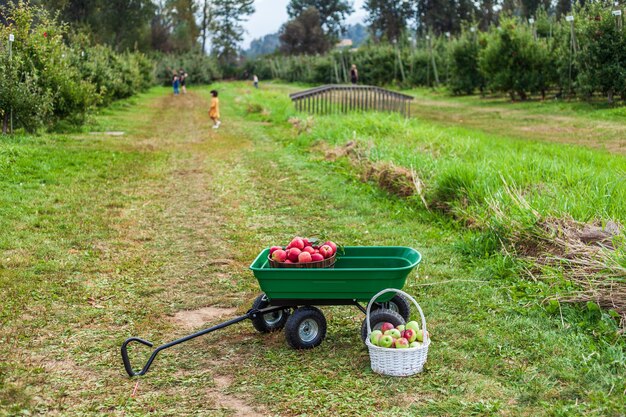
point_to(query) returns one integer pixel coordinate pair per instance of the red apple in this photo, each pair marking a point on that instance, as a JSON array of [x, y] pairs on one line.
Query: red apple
[[304, 257], [386, 326], [293, 254], [410, 335], [274, 248], [306, 242], [288, 261], [279, 255], [326, 251], [316, 257], [402, 343], [332, 245], [309, 249], [297, 243]]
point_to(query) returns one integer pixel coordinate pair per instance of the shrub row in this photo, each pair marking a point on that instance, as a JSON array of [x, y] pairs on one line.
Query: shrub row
[[201, 69], [582, 58], [48, 76]]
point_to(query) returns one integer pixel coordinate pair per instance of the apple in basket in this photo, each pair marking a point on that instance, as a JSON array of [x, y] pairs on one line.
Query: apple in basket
[[316, 257], [386, 326], [420, 336], [332, 245], [415, 344], [385, 341], [395, 333], [410, 335], [326, 251], [304, 257], [274, 249], [401, 328], [279, 255], [293, 254], [402, 343], [375, 337], [412, 325], [309, 249], [297, 242]]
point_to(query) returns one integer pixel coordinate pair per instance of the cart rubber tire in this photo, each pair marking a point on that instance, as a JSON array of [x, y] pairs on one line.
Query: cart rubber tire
[[398, 304], [270, 322], [380, 316], [305, 328]]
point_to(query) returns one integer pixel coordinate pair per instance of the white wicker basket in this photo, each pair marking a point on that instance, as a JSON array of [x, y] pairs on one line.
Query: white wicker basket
[[397, 362]]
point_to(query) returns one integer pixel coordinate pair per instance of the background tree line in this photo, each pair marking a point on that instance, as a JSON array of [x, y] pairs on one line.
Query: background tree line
[[315, 25], [167, 26], [510, 54]]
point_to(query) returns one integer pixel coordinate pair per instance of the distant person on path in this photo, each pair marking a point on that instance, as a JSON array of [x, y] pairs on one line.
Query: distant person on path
[[354, 74], [176, 84], [255, 80], [214, 110], [183, 83]]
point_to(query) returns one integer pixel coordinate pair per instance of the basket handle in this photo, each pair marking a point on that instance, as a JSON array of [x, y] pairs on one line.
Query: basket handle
[[369, 307]]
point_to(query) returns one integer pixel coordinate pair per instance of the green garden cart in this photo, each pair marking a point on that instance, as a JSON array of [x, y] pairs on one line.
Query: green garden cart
[[291, 296]]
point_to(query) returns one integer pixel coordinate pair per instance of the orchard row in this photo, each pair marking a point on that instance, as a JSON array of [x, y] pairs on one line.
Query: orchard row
[[584, 55], [50, 76]]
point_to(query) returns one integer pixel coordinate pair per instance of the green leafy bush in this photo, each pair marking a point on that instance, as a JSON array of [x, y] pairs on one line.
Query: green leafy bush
[[465, 75], [513, 62], [602, 54], [202, 69], [53, 77]]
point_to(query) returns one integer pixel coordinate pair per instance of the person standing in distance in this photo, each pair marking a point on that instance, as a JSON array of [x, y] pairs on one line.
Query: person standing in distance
[[354, 74], [214, 110], [183, 83], [176, 84], [255, 80]]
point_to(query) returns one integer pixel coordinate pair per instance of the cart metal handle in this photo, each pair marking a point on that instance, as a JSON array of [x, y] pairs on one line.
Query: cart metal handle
[[129, 369], [127, 365]]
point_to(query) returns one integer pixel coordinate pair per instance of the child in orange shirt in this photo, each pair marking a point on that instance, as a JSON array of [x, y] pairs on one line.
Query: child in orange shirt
[[214, 110]]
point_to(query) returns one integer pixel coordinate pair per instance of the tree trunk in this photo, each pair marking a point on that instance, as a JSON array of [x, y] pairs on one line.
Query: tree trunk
[[522, 95], [512, 95], [5, 123], [206, 20]]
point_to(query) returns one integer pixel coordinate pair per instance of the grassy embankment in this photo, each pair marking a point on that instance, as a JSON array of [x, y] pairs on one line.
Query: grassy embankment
[[107, 237]]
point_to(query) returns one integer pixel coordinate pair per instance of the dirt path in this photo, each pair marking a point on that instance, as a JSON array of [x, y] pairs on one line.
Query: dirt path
[[199, 259], [161, 268]]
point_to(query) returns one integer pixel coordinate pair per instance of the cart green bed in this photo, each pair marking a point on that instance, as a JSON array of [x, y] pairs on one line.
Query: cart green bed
[[290, 296]]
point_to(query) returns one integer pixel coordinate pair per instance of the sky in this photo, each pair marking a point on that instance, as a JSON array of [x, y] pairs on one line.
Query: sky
[[271, 14]]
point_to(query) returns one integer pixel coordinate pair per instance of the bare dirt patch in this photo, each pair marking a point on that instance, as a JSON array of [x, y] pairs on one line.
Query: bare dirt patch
[[196, 318], [241, 407]]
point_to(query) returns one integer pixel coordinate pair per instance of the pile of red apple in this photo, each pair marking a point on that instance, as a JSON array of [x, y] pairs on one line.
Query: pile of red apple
[[302, 250], [401, 337]]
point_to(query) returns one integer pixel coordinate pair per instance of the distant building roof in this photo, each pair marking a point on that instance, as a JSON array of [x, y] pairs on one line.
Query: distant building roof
[[344, 43]]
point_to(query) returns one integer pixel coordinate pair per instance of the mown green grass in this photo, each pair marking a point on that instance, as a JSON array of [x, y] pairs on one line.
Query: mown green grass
[[511, 321], [129, 230]]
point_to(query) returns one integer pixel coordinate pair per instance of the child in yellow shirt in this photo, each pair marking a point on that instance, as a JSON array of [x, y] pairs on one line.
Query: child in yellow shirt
[[214, 110]]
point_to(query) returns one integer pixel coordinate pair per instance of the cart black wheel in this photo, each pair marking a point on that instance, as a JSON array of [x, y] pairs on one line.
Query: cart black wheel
[[305, 328], [380, 316], [399, 304], [270, 322]]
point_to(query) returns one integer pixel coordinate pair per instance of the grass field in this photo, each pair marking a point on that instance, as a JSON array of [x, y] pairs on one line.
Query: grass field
[[106, 237]]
